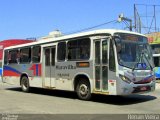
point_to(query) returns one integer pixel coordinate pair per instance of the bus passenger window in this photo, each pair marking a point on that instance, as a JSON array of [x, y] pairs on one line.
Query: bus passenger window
[[18, 56], [25, 55], [5, 57], [78, 49], [12, 56], [36, 54], [61, 55], [85, 49], [9, 57]]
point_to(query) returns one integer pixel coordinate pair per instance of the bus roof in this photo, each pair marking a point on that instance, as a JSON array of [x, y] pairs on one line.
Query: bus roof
[[94, 32]]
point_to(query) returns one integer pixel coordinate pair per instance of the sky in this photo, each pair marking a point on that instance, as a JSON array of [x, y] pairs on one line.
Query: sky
[[21, 19]]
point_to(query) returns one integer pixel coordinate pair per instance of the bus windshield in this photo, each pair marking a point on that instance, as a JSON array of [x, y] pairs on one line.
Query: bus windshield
[[133, 51]]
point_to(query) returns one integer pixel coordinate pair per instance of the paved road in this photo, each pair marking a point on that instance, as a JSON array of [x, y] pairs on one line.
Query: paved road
[[41, 101], [41, 104]]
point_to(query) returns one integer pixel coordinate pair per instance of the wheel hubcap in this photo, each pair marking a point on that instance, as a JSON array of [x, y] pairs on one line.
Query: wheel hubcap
[[83, 89]]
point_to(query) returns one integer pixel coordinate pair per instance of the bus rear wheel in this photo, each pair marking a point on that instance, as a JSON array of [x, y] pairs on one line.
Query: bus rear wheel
[[25, 84], [83, 90]]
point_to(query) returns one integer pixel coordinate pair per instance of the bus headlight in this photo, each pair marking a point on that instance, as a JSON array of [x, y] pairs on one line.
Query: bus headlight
[[124, 78]]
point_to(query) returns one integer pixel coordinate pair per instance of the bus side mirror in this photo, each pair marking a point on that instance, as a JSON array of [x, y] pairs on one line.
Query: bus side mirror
[[117, 39]]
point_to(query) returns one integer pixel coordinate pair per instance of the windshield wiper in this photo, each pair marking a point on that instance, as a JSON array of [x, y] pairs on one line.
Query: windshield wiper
[[140, 59], [148, 62]]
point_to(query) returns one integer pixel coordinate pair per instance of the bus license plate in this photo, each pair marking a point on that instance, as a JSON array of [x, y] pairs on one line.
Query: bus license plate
[[143, 88]]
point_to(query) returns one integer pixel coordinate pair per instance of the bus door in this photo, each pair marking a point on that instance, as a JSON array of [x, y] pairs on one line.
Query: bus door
[[49, 66], [101, 64]]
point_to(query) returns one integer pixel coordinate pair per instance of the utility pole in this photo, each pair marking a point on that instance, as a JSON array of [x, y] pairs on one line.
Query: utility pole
[[122, 18], [155, 18], [135, 18]]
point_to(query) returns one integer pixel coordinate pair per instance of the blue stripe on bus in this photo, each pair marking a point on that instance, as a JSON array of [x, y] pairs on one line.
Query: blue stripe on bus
[[11, 69]]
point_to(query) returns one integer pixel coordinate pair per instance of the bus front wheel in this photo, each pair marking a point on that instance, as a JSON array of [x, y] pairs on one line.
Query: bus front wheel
[[25, 84], [83, 90]]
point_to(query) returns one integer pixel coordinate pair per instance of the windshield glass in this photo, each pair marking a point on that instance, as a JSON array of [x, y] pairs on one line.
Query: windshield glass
[[133, 51]]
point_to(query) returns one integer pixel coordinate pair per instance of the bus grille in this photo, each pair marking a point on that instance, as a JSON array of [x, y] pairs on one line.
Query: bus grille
[[147, 80], [142, 82], [141, 89]]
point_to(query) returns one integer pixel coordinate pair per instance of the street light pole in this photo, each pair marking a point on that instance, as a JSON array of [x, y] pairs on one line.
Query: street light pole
[[122, 18]]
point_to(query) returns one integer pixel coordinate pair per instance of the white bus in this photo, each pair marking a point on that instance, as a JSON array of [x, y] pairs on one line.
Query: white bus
[[109, 62]]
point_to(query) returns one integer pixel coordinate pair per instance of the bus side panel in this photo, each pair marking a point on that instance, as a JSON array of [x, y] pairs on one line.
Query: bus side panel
[[67, 71], [13, 72], [35, 82], [112, 83], [11, 80]]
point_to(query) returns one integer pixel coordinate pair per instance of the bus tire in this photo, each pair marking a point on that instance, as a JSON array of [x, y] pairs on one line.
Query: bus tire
[[25, 84], [83, 90]]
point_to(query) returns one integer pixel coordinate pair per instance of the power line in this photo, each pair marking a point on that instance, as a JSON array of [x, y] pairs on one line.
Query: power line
[[151, 17], [89, 28]]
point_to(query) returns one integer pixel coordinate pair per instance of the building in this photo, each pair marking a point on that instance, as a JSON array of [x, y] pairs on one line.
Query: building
[[154, 38], [52, 34]]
